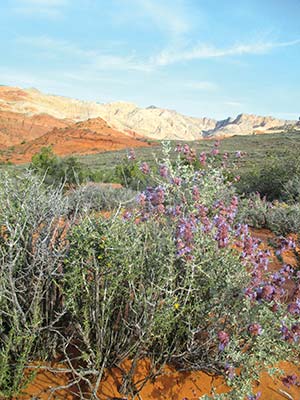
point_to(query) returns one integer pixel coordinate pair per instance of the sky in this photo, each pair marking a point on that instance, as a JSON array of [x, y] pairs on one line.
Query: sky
[[214, 58]]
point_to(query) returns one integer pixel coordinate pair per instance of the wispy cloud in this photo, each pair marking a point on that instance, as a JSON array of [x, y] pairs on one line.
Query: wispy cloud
[[172, 56], [94, 59], [101, 59], [41, 8]]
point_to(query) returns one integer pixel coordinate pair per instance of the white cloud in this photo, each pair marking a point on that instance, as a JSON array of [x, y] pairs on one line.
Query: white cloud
[[41, 8], [172, 56]]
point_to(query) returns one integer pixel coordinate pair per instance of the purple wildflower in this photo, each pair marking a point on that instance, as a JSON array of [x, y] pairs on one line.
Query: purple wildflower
[[287, 335], [145, 168], [127, 215], [163, 171], [230, 371], [294, 307], [223, 339], [141, 199], [268, 292], [186, 149], [202, 158], [177, 181], [255, 329], [290, 380]]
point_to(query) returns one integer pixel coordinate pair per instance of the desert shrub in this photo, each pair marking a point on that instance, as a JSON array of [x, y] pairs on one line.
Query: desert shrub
[[30, 253], [254, 211], [99, 197], [176, 280], [270, 178], [291, 189], [129, 173], [55, 170], [280, 217]]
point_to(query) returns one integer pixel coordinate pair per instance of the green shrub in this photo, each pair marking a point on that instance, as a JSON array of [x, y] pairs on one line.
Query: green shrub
[[270, 178], [128, 173], [99, 197], [281, 218], [54, 170]]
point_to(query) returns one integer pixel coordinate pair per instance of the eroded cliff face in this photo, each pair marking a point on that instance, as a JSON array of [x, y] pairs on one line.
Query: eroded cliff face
[[16, 128]]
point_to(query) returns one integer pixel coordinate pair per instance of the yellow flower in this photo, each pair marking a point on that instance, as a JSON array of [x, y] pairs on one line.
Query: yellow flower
[[176, 306]]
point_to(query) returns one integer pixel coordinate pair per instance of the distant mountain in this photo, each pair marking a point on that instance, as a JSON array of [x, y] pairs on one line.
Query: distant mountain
[[27, 115], [246, 124]]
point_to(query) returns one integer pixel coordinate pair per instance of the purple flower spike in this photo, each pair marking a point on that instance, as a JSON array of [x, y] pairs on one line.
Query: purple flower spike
[[145, 168], [230, 371], [163, 171], [202, 158], [127, 215], [294, 308], [255, 329], [223, 339], [177, 181]]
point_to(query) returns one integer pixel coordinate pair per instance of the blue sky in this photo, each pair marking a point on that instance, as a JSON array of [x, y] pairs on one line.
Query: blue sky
[[214, 58]]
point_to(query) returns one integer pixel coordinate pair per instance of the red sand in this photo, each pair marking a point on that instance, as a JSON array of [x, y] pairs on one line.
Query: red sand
[[171, 385]]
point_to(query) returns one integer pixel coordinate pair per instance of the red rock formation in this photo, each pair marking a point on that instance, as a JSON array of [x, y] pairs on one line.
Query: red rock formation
[[16, 128], [88, 137]]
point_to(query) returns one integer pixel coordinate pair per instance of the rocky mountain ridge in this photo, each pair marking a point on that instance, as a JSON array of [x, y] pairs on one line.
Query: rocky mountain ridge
[[151, 122]]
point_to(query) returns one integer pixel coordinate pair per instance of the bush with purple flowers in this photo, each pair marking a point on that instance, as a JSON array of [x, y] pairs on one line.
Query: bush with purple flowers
[[180, 281], [177, 279]]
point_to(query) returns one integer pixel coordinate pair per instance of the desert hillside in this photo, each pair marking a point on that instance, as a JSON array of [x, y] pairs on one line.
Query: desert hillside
[[16, 128], [87, 137]]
